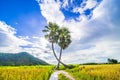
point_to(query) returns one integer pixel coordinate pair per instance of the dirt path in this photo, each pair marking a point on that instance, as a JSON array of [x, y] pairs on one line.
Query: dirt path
[[54, 76]]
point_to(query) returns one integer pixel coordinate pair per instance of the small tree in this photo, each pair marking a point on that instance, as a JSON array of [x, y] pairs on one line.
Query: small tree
[[58, 36], [112, 61]]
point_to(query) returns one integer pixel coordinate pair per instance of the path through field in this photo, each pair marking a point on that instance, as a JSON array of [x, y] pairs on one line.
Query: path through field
[[54, 76]]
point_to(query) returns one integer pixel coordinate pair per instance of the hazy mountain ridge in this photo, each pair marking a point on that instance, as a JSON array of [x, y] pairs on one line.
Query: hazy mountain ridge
[[22, 58]]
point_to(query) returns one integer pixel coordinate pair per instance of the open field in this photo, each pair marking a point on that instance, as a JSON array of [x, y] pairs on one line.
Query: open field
[[80, 72], [26, 73], [96, 72]]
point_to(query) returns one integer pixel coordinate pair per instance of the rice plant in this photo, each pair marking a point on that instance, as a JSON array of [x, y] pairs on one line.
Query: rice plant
[[96, 72], [26, 73]]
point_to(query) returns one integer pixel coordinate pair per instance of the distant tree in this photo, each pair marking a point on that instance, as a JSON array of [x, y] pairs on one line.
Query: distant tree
[[112, 61], [60, 36]]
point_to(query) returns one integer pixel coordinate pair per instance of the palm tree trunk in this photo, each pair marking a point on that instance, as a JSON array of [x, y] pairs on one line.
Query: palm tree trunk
[[57, 57]]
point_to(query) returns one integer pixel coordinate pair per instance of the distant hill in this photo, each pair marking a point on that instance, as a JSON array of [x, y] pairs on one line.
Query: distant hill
[[23, 58]]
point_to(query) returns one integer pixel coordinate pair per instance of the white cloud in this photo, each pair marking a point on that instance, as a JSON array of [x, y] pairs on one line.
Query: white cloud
[[65, 3], [52, 11], [40, 48], [9, 42], [6, 29], [100, 52], [97, 31], [90, 4]]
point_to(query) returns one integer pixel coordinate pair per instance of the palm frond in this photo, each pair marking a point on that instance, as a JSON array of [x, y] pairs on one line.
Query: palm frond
[[45, 30]]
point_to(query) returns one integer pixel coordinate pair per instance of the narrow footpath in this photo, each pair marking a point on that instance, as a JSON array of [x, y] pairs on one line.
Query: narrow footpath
[[54, 76]]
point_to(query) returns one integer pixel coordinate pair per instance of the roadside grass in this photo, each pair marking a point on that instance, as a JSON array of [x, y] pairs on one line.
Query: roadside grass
[[62, 77]]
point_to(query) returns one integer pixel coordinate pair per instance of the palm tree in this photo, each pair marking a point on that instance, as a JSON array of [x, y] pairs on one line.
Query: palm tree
[[63, 41], [53, 34]]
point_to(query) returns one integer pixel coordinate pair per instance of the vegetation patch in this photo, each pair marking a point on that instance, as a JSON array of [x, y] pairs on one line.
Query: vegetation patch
[[62, 77], [96, 72], [26, 73]]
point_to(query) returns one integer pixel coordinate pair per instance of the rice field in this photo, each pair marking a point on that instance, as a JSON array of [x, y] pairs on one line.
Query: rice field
[[96, 72], [26, 73], [82, 72]]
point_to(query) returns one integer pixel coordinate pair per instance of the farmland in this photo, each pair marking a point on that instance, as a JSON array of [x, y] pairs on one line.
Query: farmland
[[26, 73], [79, 72], [96, 72]]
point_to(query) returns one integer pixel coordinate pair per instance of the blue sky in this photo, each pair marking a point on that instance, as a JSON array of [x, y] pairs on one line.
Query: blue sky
[[22, 14], [94, 28]]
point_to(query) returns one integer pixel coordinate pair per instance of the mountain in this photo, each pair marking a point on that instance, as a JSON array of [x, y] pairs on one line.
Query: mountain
[[23, 58]]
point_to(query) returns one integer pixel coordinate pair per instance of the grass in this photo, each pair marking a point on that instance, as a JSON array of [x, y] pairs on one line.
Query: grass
[[61, 77], [96, 72], [26, 72]]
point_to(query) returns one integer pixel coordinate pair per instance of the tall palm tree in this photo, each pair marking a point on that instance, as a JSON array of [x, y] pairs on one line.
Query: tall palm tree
[[52, 35], [63, 41], [52, 32]]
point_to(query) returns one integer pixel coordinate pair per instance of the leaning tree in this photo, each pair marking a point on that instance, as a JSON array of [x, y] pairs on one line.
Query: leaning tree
[[60, 36], [63, 41]]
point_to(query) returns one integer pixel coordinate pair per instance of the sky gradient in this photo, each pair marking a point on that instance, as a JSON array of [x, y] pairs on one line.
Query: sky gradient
[[94, 27]]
